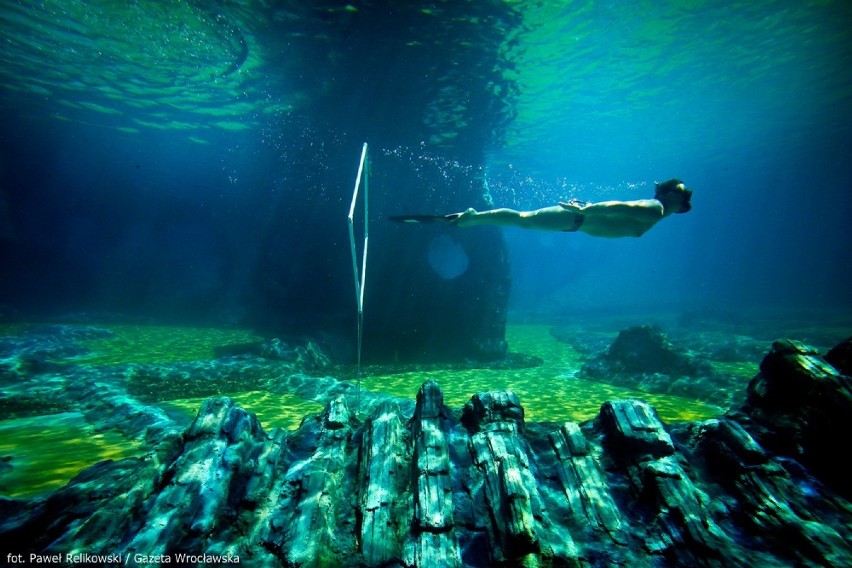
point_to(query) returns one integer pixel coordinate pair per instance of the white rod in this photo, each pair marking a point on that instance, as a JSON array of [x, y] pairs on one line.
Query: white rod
[[358, 181], [355, 263], [363, 278], [366, 163], [359, 287], [363, 171]]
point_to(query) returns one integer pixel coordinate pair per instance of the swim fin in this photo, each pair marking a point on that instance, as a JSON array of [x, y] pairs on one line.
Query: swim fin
[[447, 219]]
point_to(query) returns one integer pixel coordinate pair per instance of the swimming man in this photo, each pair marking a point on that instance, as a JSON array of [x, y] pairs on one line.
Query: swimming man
[[611, 219]]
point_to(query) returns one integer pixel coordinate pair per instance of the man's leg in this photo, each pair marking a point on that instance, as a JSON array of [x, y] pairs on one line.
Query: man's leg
[[500, 217], [546, 219]]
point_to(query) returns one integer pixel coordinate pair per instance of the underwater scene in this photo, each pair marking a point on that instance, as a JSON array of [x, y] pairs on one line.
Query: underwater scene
[[434, 284]]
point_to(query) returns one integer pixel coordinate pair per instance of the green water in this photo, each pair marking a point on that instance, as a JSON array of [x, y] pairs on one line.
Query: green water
[[697, 69], [273, 410], [548, 393], [136, 65], [48, 450], [580, 72], [162, 344]]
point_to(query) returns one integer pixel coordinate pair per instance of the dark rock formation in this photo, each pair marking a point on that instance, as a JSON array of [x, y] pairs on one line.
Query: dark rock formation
[[802, 405], [724, 346], [308, 356], [840, 357], [5, 464], [643, 358], [646, 349], [419, 316], [422, 160], [479, 488], [589, 343]]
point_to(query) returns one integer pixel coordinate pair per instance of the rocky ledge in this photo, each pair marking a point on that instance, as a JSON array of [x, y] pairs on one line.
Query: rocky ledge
[[764, 485]]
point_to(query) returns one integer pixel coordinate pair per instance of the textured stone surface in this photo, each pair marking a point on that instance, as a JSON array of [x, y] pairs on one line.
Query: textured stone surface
[[798, 406], [501, 476], [583, 482], [433, 540], [644, 358], [435, 487], [840, 357], [384, 453]]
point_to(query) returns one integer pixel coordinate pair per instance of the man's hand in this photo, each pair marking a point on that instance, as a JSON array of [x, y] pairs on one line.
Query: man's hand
[[573, 205]]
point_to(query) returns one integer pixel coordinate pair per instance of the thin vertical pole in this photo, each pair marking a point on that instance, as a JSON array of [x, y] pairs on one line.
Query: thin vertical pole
[[363, 172]]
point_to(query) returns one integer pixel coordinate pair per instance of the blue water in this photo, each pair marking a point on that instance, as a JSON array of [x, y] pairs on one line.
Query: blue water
[[195, 163], [748, 103]]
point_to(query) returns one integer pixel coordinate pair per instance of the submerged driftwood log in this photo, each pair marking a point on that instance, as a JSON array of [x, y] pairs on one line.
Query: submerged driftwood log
[[480, 487]]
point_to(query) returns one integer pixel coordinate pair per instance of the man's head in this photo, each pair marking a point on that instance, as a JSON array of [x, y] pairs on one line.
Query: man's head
[[674, 196]]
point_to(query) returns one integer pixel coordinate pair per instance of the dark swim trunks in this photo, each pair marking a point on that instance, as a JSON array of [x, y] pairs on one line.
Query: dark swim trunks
[[578, 222]]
